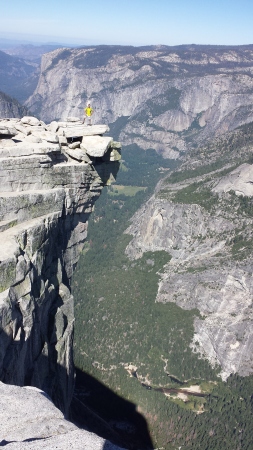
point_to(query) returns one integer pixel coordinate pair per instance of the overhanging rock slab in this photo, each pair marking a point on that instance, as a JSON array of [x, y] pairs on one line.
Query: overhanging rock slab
[[83, 130], [96, 146]]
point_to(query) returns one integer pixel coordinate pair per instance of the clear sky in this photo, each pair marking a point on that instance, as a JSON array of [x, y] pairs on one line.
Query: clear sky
[[133, 22]]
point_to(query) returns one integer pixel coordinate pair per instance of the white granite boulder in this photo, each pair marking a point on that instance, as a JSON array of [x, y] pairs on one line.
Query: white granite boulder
[[32, 138], [29, 120], [96, 146], [21, 128], [46, 136], [78, 154], [53, 126], [75, 145], [8, 130]]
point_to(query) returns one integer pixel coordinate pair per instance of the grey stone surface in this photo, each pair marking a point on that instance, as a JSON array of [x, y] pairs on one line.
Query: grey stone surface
[[239, 180], [46, 196], [204, 94], [10, 107], [203, 272], [30, 120], [84, 130], [29, 420], [96, 146]]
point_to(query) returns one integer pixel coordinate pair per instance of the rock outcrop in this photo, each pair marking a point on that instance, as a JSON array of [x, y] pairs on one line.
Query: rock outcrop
[[10, 107], [29, 420], [49, 181], [207, 230]]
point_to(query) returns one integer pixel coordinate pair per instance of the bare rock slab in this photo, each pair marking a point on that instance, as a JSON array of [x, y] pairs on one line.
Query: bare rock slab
[[78, 154], [83, 130], [96, 146], [29, 420], [239, 180]]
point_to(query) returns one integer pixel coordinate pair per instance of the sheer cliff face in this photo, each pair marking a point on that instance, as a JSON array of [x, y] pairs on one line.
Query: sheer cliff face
[[15, 75], [48, 190], [10, 107], [166, 97]]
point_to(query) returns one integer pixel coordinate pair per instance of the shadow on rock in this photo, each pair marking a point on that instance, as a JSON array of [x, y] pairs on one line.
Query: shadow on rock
[[99, 410]]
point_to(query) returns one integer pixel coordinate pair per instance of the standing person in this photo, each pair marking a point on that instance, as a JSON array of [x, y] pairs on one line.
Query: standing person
[[88, 111]]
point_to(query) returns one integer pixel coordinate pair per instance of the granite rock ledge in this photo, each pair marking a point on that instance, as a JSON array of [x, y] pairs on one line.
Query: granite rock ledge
[[50, 177], [29, 420]]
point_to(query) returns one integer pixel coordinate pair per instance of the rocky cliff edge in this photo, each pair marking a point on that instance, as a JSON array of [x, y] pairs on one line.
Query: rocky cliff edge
[[50, 177]]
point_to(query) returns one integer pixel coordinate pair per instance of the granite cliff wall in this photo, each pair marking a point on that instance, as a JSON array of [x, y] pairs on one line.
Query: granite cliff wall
[[165, 98], [50, 177], [9, 107]]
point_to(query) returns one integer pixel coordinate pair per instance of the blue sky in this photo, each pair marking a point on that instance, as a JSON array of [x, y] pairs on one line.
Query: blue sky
[[129, 22]]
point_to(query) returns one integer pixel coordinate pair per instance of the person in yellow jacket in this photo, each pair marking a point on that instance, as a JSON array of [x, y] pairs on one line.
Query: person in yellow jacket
[[88, 111]]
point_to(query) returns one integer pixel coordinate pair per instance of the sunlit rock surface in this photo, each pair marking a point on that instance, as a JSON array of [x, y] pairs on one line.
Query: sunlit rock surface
[[205, 271], [29, 420], [159, 97], [47, 193]]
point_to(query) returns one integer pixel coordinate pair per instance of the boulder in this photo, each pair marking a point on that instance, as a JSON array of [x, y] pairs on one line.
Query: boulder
[[46, 136], [115, 155], [75, 145], [96, 146], [79, 155], [21, 128], [8, 130], [116, 145], [19, 137], [34, 128], [29, 120], [32, 138], [53, 126]]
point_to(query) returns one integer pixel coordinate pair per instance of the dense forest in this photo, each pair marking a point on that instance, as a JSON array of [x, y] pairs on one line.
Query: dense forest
[[140, 348]]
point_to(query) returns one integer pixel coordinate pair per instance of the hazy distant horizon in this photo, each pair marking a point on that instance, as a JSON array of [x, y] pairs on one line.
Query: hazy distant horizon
[[129, 22], [16, 39]]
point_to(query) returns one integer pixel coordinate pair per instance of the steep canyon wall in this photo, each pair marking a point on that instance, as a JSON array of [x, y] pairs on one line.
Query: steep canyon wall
[[45, 201], [165, 98]]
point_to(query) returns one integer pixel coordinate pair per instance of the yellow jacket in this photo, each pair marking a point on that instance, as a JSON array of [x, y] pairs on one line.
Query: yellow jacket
[[88, 111]]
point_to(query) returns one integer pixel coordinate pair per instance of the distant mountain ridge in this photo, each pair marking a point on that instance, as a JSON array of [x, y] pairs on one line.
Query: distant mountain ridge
[[16, 75], [166, 98], [30, 52], [10, 107]]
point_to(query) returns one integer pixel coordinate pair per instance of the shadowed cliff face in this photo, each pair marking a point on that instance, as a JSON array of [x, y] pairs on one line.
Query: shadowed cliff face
[[45, 201], [166, 98], [10, 107], [29, 420]]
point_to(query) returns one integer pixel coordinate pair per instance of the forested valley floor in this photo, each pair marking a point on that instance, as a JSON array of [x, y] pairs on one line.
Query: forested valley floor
[[135, 346]]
